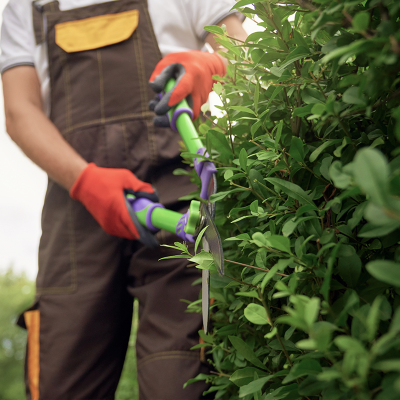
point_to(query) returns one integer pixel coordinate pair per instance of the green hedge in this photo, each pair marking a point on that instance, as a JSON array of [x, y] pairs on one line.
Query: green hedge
[[308, 204]]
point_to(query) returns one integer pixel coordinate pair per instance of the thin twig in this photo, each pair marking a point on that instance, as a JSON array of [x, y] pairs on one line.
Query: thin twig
[[237, 280], [219, 373], [252, 266]]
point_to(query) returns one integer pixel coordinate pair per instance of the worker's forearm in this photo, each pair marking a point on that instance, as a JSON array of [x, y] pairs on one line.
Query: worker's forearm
[[40, 140]]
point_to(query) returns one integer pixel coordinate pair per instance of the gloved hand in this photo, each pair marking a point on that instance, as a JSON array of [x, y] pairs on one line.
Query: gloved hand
[[193, 71], [101, 191]]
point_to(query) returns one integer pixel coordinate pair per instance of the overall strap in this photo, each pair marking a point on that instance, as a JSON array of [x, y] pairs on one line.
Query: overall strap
[[38, 11]]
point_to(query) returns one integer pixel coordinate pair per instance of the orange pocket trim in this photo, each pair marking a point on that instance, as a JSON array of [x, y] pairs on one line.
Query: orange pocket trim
[[32, 321], [95, 32]]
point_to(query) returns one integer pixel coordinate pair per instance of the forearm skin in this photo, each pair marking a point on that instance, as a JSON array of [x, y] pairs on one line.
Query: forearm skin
[[33, 132]]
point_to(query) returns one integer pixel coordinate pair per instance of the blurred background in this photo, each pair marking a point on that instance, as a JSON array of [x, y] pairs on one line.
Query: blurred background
[[22, 189]]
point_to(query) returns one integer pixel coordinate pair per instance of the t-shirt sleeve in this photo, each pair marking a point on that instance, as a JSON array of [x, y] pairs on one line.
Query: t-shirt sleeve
[[17, 43], [208, 12]]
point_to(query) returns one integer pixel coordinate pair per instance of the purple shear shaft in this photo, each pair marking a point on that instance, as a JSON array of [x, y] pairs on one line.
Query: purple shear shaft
[[180, 228], [205, 170]]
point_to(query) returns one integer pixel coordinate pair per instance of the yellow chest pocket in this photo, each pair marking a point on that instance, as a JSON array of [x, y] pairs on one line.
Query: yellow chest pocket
[[95, 32]]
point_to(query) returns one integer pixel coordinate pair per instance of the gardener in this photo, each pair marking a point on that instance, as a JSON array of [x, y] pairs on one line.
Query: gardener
[[75, 80]]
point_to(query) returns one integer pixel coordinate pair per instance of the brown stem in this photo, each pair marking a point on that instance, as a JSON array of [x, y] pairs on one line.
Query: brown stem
[[306, 4], [219, 373], [237, 280], [252, 266], [238, 40], [214, 123]]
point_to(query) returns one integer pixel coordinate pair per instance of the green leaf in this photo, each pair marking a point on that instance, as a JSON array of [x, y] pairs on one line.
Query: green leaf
[[243, 109], [253, 294], [279, 242], [203, 259], [371, 173], [246, 351], [305, 367], [314, 155], [219, 142], [277, 90], [312, 96], [361, 21], [244, 376], [355, 47], [242, 3], [292, 190], [352, 96], [350, 269], [214, 29], [385, 271], [296, 149], [271, 273], [256, 95], [221, 195], [278, 133], [299, 39], [254, 386], [291, 225], [297, 54], [388, 365], [198, 239], [318, 109], [303, 111], [256, 314], [205, 337], [259, 239], [243, 159], [200, 377], [340, 179], [271, 334], [311, 386]]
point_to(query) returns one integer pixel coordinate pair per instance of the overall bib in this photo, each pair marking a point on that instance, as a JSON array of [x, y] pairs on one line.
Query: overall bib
[[100, 60]]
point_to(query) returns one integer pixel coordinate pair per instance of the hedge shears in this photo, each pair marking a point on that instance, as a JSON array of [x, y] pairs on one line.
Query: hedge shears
[[150, 217]]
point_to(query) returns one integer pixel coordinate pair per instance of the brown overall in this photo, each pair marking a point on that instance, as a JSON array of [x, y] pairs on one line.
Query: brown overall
[[79, 327]]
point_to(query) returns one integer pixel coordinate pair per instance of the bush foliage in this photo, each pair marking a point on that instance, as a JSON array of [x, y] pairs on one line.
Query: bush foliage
[[308, 204]]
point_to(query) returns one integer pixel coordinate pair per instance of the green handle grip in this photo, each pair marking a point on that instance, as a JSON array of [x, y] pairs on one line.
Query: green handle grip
[[171, 221], [184, 123], [161, 218]]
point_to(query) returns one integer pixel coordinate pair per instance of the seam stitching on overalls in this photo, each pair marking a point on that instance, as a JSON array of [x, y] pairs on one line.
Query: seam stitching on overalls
[[107, 160], [126, 144], [141, 70], [74, 269], [65, 72], [167, 355], [143, 95], [101, 86], [153, 143], [72, 258]]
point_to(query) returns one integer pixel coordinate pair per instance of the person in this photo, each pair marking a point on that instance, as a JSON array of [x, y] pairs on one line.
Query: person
[[75, 81]]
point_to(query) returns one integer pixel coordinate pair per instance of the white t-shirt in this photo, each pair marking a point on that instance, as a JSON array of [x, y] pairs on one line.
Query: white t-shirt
[[178, 26]]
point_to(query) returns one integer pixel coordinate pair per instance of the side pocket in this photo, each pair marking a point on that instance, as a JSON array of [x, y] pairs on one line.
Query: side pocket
[[95, 32], [30, 320]]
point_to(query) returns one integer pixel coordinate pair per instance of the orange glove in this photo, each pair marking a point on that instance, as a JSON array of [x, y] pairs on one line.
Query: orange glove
[[101, 191], [193, 71]]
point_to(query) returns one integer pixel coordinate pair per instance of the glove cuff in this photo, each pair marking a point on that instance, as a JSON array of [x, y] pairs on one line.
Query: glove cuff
[[76, 189]]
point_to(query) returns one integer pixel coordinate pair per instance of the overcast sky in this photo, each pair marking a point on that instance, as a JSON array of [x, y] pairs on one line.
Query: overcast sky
[[22, 189]]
